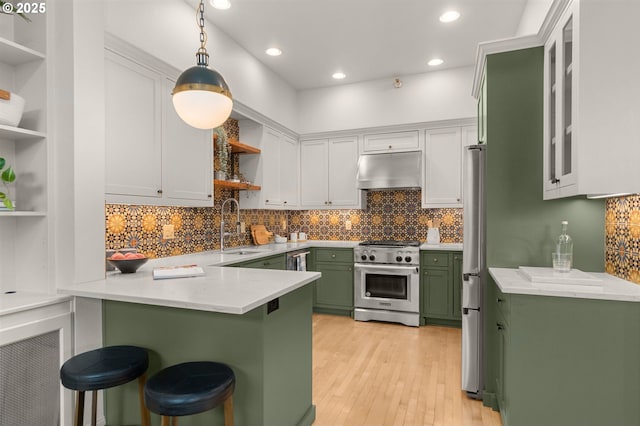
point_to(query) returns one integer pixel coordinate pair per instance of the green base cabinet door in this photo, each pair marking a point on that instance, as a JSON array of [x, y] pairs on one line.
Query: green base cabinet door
[[441, 288], [272, 262], [334, 290]]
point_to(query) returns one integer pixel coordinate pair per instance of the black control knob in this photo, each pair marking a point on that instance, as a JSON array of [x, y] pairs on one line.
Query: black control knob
[[363, 257], [372, 257], [398, 258], [407, 259]]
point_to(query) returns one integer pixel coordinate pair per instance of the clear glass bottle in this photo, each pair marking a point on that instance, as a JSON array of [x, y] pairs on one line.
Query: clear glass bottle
[[563, 257]]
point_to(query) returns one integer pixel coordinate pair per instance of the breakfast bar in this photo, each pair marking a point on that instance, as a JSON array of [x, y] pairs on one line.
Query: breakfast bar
[[256, 321]]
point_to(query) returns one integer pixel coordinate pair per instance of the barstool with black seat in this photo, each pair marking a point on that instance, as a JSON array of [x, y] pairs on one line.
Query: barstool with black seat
[[102, 369], [191, 388]]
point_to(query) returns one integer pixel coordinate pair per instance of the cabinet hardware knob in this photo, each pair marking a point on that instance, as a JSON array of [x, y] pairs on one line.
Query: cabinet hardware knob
[[499, 326], [159, 191], [330, 202], [209, 196], [266, 201], [426, 272], [333, 256], [458, 199], [284, 202], [390, 147], [350, 269], [326, 202], [435, 260], [555, 180], [498, 300]]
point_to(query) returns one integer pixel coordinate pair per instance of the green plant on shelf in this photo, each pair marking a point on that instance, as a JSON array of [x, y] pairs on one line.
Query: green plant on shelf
[[7, 176], [3, 8], [222, 149]]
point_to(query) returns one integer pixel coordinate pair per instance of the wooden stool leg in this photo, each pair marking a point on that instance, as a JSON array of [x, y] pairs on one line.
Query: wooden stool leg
[[79, 418], [164, 420], [145, 417], [94, 407], [174, 421], [228, 411]]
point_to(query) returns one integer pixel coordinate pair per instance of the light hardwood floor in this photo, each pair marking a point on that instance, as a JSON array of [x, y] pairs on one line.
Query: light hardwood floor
[[379, 374]]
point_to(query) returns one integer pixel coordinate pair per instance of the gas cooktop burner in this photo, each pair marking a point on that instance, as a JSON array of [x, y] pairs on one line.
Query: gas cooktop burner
[[391, 243]]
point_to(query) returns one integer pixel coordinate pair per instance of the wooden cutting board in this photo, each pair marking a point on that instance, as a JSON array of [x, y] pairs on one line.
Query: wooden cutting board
[[260, 234]]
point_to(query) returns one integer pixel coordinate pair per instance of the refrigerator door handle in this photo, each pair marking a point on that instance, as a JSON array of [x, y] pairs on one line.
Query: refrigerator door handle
[[471, 292]]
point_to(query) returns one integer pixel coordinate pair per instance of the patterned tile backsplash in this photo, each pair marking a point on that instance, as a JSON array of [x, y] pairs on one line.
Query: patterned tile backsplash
[[389, 215], [622, 237]]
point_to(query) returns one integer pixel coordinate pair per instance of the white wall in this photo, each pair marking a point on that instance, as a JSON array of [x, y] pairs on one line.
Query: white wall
[[167, 30], [432, 96], [532, 17]]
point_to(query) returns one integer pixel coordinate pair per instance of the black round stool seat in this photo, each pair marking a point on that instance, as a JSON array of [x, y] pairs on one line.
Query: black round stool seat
[[189, 388], [104, 368]]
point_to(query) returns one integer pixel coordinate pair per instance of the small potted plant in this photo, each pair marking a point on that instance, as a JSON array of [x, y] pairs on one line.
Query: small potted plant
[[9, 10], [222, 150], [7, 176]]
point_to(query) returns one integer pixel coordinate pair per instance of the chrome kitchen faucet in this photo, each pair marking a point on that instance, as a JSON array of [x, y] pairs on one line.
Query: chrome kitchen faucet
[[228, 234]]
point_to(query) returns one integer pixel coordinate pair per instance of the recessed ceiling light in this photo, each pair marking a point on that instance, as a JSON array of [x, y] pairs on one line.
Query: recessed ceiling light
[[221, 4], [435, 62], [273, 51], [449, 16], [339, 75]]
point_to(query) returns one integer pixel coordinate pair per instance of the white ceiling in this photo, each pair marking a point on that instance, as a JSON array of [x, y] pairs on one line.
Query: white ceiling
[[365, 39]]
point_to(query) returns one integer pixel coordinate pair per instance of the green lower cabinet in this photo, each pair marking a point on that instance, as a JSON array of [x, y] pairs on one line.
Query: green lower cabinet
[[272, 262], [334, 290], [561, 361], [441, 288]]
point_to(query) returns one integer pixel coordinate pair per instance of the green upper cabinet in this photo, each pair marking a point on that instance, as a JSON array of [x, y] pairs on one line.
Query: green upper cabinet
[[440, 287], [590, 97]]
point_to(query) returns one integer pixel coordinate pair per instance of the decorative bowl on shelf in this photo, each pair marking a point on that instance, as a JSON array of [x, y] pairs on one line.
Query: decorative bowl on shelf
[[11, 110], [127, 265]]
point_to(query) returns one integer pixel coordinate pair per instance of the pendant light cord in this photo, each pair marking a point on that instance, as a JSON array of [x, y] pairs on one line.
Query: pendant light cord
[[201, 55]]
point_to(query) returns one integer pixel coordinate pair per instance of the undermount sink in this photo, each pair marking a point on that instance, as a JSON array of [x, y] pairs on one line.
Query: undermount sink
[[241, 251]]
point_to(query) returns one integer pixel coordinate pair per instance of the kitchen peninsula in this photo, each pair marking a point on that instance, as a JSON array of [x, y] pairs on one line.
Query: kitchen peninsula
[[257, 321]]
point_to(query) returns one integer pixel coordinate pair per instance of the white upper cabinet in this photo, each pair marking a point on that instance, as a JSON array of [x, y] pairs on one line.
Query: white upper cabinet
[[443, 165], [187, 155], [133, 128], [591, 106], [289, 171], [152, 156], [391, 142], [328, 170], [275, 169]]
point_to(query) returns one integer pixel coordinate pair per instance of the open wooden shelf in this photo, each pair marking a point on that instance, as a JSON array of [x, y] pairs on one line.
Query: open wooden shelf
[[238, 147], [235, 185]]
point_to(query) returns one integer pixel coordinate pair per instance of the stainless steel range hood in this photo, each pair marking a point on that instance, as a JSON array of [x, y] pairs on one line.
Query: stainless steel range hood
[[390, 171]]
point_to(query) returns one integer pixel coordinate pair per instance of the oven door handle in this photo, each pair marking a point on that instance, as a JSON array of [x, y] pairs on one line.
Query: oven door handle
[[391, 268]]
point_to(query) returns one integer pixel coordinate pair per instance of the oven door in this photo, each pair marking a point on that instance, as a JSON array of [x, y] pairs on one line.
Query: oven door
[[389, 287]]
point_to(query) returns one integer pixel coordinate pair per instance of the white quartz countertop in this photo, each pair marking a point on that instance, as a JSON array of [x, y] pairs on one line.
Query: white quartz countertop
[[225, 290], [607, 288], [442, 246]]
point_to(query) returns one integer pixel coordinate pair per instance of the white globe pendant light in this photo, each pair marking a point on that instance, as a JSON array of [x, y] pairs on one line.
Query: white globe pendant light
[[201, 97]]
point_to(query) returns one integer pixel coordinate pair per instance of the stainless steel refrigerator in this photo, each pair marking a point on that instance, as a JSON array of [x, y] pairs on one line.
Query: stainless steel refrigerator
[[473, 269]]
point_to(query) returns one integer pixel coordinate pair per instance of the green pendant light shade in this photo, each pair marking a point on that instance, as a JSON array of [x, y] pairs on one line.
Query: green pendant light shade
[[201, 97]]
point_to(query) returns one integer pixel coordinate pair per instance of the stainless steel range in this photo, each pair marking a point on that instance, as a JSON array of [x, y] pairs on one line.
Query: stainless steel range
[[387, 281]]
